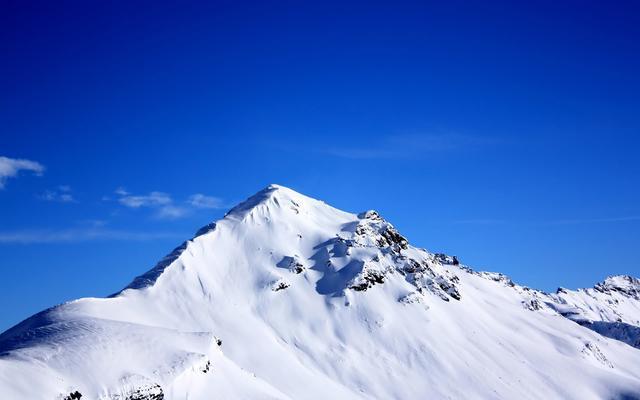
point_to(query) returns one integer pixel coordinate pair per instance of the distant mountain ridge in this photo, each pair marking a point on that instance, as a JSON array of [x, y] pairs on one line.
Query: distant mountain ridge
[[287, 297]]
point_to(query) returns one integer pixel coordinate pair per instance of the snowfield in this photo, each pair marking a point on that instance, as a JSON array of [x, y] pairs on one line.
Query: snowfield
[[289, 298]]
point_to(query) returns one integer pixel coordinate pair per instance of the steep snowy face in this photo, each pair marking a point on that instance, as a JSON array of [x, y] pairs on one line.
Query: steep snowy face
[[287, 297]]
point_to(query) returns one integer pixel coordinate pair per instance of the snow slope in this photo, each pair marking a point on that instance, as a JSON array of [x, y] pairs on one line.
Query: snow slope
[[289, 298]]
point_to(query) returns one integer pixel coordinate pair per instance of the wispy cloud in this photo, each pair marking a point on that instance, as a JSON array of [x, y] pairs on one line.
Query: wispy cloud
[[172, 212], [93, 223], [11, 167], [409, 146], [80, 235], [199, 200], [164, 205], [159, 201], [62, 195], [593, 220], [480, 221], [153, 199], [121, 191], [489, 221]]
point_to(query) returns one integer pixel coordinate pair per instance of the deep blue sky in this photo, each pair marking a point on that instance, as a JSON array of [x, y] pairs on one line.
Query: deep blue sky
[[505, 133]]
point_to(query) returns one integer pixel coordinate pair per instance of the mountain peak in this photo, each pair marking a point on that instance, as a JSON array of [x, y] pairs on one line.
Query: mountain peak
[[624, 284], [339, 302], [269, 193]]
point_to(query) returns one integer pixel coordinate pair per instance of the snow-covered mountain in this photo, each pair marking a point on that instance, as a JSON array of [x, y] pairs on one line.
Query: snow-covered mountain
[[289, 298]]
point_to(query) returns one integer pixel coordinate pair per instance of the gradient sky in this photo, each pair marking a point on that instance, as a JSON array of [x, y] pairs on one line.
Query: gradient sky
[[504, 133]]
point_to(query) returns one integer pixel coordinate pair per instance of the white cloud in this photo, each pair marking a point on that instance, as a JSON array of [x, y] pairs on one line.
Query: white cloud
[[172, 212], [160, 201], [48, 196], [410, 146], [153, 199], [163, 203], [66, 198], [630, 218], [94, 223], [61, 195], [121, 191], [490, 221], [480, 221], [11, 167], [199, 200]]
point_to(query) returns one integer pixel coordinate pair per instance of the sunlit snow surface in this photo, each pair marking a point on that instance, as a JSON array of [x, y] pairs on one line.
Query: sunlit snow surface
[[289, 298]]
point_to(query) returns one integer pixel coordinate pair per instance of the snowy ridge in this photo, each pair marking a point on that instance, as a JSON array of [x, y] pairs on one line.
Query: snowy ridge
[[287, 297], [611, 308]]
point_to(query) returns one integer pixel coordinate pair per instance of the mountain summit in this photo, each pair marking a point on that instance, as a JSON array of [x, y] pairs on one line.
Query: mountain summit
[[287, 297]]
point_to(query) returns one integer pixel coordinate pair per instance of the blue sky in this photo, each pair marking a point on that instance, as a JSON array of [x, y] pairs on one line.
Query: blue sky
[[504, 133]]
